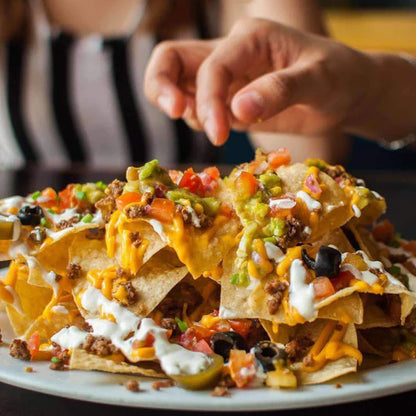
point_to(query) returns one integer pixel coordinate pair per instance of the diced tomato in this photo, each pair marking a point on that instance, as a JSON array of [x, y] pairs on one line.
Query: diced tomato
[[33, 344], [176, 176], [162, 209], [240, 326], [342, 280], [384, 231], [202, 346], [128, 198], [240, 360], [278, 158], [192, 182], [194, 334], [246, 185], [67, 198], [52, 198], [411, 247], [323, 288], [150, 339], [213, 172], [209, 178]]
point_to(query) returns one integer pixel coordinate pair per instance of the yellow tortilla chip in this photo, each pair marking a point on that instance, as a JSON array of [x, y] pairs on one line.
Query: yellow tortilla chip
[[335, 204], [82, 360], [29, 304], [154, 280], [332, 369]]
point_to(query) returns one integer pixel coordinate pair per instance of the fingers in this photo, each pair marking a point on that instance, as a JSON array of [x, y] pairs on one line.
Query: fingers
[[172, 66], [271, 94], [243, 54]]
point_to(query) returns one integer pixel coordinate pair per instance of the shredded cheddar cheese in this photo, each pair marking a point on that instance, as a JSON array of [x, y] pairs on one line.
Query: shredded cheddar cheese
[[329, 347], [292, 254]]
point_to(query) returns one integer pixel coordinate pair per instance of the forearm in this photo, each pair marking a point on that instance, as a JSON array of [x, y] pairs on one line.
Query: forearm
[[387, 110]]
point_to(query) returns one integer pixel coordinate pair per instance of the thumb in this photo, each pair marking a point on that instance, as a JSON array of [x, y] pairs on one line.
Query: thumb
[[272, 93]]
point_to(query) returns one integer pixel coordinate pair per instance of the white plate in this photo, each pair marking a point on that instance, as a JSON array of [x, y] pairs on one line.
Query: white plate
[[106, 388]]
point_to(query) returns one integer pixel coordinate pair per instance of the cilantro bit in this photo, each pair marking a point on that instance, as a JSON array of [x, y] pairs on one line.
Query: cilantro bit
[[55, 360], [35, 195], [44, 222], [80, 195], [395, 270], [182, 325], [87, 219], [240, 279], [51, 211]]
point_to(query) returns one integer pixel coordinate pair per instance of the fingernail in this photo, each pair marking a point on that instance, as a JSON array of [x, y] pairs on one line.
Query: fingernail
[[165, 102], [252, 103], [211, 130]]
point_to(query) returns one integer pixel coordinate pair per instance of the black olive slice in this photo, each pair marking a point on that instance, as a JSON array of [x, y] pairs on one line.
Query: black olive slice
[[223, 342], [30, 215], [267, 353], [309, 261], [327, 262]]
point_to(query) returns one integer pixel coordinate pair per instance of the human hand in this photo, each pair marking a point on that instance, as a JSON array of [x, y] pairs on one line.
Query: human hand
[[262, 77]]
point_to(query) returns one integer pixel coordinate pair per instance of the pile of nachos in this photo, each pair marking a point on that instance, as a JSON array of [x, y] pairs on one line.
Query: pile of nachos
[[277, 275]]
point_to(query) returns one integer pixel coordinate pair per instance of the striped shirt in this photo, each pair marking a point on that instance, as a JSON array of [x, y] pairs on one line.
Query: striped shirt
[[67, 99]]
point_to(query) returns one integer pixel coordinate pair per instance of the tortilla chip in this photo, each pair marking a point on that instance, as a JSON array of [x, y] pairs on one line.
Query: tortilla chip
[[242, 302], [365, 241], [82, 360], [335, 204], [152, 283], [146, 232], [332, 369], [32, 300], [61, 315]]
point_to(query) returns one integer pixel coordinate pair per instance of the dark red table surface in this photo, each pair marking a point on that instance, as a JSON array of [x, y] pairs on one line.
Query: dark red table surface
[[399, 188]]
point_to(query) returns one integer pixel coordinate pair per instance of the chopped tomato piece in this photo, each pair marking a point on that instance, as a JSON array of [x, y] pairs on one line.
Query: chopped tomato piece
[[33, 344], [176, 176], [342, 280], [192, 182], [162, 209], [240, 326], [246, 184], [194, 334], [203, 346], [323, 288], [242, 367], [150, 339], [52, 198], [213, 172], [278, 158], [411, 247], [209, 178], [67, 198], [128, 198], [384, 231]]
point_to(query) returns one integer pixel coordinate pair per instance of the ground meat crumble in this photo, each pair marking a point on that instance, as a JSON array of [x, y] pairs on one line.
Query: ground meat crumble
[[276, 290], [99, 346], [162, 384], [297, 348], [294, 234], [135, 238], [19, 349], [131, 297], [63, 224], [137, 211], [132, 385], [74, 271]]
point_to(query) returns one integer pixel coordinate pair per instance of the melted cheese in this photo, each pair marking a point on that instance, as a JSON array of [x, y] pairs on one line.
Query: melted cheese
[[284, 266], [329, 347]]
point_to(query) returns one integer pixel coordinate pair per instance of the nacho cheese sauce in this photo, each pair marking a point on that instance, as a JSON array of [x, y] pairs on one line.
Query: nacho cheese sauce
[[174, 359], [301, 294]]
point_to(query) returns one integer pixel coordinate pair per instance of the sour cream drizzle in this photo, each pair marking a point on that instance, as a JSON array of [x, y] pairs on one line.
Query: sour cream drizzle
[[174, 359], [301, 294], [311, 203]]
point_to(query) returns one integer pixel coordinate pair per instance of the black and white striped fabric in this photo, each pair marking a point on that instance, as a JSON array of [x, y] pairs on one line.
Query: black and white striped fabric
[[65, 100]]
